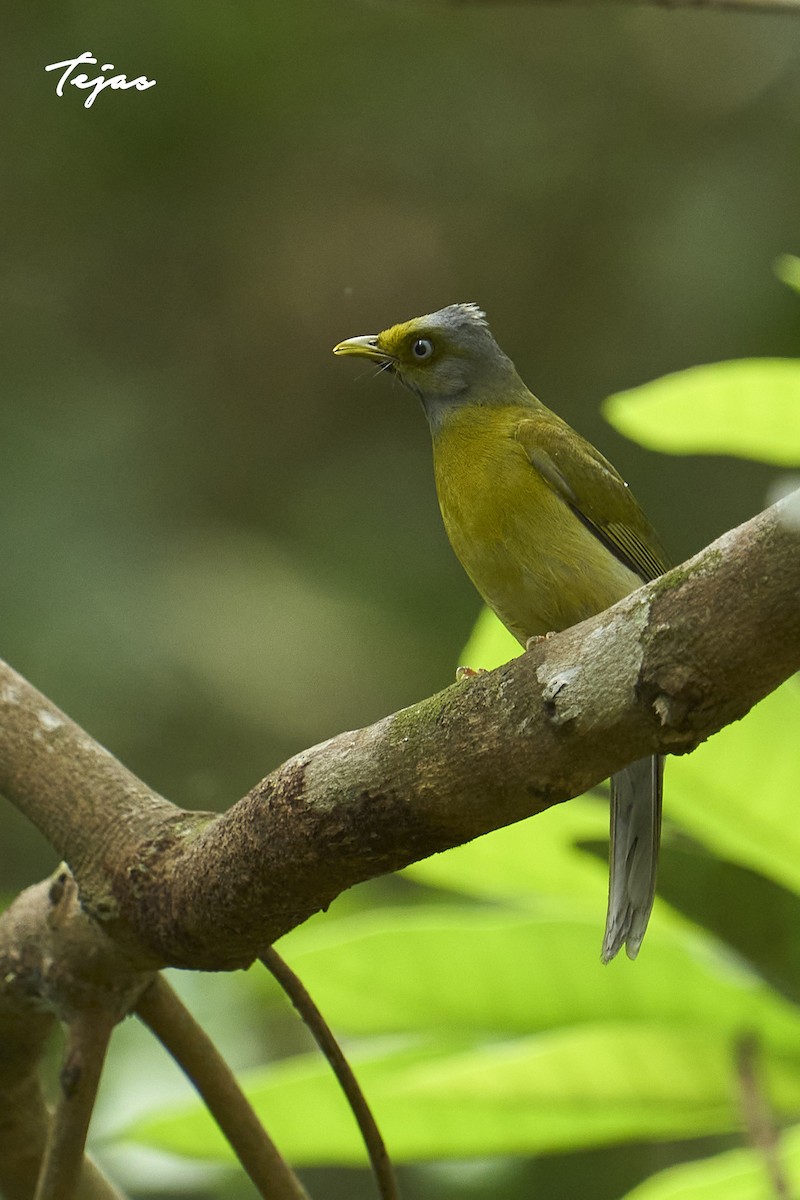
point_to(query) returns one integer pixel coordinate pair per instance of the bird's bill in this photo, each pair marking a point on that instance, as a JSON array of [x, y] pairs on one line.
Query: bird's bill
[[363, 347]]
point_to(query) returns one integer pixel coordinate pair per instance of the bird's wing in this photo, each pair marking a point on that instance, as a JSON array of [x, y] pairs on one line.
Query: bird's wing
[[596, 493]]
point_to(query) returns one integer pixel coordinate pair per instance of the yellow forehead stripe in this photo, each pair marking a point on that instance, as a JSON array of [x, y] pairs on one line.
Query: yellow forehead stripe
[[393, 339]]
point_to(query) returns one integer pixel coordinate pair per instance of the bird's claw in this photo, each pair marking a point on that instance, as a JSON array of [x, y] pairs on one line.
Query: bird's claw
[[539, 637], [463, 673]]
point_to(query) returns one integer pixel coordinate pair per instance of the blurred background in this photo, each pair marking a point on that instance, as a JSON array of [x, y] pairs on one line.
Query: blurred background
[[220, 544]]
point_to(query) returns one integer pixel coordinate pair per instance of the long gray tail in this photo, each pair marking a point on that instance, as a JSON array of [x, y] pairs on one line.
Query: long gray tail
[[635, 838]]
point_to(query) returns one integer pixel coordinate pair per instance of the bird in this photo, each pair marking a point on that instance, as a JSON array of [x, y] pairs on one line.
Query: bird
[[546, 529]]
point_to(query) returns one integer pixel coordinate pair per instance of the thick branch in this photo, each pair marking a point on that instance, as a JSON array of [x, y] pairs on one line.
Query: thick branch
[[55, 962], [90, 807], [752, 6], [665, 668]]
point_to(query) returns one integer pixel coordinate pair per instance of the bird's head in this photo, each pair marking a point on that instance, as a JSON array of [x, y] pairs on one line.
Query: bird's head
[[447, 358]]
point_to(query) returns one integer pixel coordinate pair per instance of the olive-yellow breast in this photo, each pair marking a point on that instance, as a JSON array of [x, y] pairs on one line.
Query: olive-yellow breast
[[536, 565]]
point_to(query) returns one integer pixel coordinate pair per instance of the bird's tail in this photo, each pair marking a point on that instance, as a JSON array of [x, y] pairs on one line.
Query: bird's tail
[[635, 837]]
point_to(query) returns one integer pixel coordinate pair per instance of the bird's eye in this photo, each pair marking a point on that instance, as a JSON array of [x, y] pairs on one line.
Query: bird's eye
[[422, 348]]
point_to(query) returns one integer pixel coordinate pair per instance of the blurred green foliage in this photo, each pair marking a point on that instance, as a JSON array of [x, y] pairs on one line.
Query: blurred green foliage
[[747, 407], [220, 545]]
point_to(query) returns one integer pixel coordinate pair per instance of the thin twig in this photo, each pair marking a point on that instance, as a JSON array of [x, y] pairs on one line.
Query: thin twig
[[316, 1023], [759, 1120], [88, 1034], [165, 1015]]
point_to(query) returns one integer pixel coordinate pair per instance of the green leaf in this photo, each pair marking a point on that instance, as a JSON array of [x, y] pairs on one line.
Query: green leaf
[[747, 407], [570, 1054], [299, 1103], [787, 268], [595, 1084], [737, 792], [734, 1175], [561, 1089], [477, 970]]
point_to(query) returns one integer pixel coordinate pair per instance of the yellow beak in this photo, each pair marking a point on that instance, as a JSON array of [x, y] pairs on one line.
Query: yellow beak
[[363, 347]]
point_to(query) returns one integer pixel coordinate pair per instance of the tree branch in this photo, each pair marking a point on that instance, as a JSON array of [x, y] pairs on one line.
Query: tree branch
[[55, 962], [761, 1125], [88, 1035], [751, 6], [662, 670], [165, 1015], [314, 1021]]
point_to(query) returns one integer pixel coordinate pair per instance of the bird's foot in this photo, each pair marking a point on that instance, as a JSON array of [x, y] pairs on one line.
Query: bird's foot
[[539, 637], [463, 673]]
